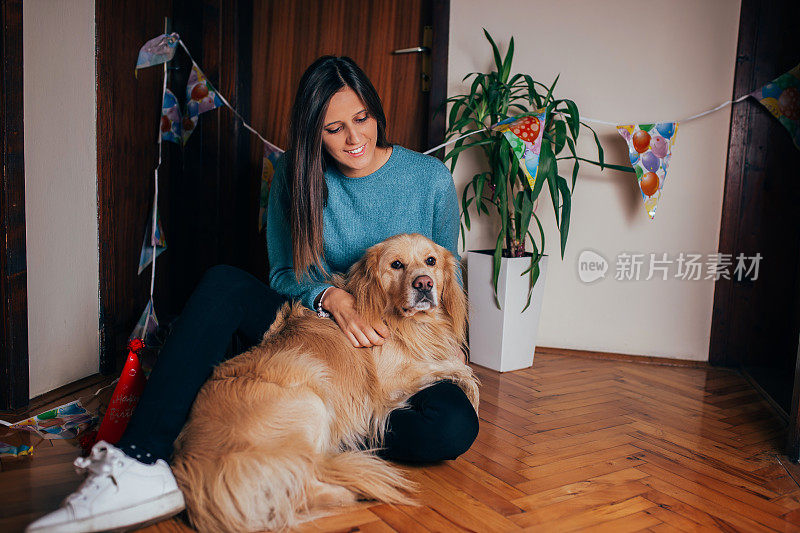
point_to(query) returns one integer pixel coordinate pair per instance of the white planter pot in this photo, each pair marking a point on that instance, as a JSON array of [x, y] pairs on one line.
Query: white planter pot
[[503, 339]]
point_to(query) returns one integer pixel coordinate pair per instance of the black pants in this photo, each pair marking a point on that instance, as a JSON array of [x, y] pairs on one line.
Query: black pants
[[230, 303]]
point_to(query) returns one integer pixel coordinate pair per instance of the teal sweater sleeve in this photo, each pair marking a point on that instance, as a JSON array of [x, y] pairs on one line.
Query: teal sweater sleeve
[[279, 247]]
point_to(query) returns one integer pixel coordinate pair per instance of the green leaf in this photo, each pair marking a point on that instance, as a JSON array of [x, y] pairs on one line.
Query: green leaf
[[498, 254], [552, 184], [573, 118], [465, 206], [566, 203], [546, 165], [623, 168], [600, 154], [458, 149], [507, 61], [497, 61], [560, 137], [574, 173], [550, 90], [525, 218], [533, 95]]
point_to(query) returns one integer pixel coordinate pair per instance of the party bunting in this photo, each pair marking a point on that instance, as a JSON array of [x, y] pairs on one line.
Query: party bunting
[[650, 149], [200, 97], [157, 51], [63, 422], [15, 451], [271, 155], [781, 97], [147, 324], [170, 118], [150, 240], [525, 137]]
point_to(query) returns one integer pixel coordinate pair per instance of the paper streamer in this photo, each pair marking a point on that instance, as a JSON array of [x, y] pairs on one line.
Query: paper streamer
[[157, 50], [271, 155], [525, 137], [170, 118], [649, 150], [15, 451], [63, 422], [781, 97]]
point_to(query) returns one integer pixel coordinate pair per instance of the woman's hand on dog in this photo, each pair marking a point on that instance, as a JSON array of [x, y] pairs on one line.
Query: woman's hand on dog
[[341, 304]]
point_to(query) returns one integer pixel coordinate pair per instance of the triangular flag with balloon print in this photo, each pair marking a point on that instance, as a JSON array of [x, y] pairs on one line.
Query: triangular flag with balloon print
[[271, 155], [158, 240], [650, 149], [170, 118], [200, 97], [525, 137], [781, 97], [157, 50]]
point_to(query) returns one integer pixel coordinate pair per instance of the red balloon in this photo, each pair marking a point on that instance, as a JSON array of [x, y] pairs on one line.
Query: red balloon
[[641, 141], [527, 129], [166, 124], [188, 125], [199, 91], [649, 183]]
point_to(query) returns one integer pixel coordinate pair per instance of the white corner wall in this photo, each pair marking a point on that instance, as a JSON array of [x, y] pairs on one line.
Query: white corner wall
[[629, 62], [60, 191]]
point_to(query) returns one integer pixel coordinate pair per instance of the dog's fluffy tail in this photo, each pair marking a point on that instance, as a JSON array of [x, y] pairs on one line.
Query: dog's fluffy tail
[[277, 487], [368, 476], [247, 490]]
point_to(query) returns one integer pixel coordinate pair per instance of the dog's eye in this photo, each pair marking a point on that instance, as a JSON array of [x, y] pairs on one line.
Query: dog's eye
[[430, 261], [396, 265]]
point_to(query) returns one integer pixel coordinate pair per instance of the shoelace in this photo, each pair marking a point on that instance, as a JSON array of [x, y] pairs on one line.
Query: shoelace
[[102, 462]]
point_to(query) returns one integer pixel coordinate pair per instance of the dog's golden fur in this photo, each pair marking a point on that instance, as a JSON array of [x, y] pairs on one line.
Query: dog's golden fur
[[277, 433]]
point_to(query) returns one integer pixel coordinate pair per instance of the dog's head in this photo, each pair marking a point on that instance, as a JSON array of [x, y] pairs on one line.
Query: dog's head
[[408, 276]]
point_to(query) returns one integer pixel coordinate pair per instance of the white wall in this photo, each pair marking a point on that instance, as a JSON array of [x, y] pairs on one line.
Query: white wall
[[60, 191], [632, 62]]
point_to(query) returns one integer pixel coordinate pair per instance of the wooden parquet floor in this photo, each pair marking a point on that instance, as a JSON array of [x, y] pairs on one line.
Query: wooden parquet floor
[[572, 444]]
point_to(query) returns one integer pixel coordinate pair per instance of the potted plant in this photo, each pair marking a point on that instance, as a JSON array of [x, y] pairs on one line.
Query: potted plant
[[503, 323]]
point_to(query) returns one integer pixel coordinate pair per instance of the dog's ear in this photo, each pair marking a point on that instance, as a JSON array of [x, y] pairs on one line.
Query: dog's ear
[[454, 299], [363, 282]]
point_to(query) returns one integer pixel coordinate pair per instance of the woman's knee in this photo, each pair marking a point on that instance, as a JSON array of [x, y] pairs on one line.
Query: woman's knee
[[452, 424], [458, 425]]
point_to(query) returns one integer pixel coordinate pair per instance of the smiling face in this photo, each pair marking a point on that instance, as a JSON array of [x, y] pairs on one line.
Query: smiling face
[[350, 134]]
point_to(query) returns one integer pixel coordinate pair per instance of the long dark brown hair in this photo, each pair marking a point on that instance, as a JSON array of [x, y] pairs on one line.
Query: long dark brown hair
[[306, 159]]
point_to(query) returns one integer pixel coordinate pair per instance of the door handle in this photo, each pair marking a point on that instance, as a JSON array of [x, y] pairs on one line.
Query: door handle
[[425, 50], [414, 50]]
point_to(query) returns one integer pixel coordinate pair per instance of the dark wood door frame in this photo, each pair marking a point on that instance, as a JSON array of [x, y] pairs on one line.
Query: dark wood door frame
[[13, 266]]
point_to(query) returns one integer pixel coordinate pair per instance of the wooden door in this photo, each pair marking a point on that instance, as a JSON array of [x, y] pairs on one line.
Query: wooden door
[[289, 36], [755, 324], [254, 51]]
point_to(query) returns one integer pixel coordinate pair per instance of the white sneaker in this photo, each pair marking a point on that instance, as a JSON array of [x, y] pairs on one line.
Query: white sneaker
[[118, 493]]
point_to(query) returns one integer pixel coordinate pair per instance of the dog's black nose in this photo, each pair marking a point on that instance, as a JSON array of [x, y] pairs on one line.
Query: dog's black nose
[[423, 283]]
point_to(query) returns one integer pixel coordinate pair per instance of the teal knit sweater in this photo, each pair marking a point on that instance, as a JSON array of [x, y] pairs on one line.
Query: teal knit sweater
[[410, 193]]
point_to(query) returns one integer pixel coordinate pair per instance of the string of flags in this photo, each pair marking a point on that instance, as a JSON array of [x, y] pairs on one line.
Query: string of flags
[[176, 126], [649, 144]]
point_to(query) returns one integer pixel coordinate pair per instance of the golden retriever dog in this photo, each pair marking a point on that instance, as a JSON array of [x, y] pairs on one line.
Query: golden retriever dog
[[284, 431]]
